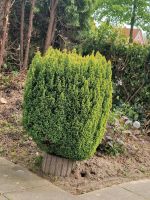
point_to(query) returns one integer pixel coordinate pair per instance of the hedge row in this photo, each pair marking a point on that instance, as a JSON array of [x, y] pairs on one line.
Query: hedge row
[[130, 67]]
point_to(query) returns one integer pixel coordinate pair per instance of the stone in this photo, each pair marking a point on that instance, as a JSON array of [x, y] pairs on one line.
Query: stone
[[117, 123], [77, 175], [148, 132], [3, 101], [120, 141], [98, 154], [136, 124], [125, 118], [128, 132], [128, 122], [37, 154], [108, 138], [134, 137], [137, 132], [20, 171]]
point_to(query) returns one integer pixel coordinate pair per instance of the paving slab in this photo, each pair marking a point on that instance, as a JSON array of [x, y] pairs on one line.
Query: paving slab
[[17, 183], [16, 178], [6, 162], [142, 188], [2, 198], [41, 193], [112, 193]]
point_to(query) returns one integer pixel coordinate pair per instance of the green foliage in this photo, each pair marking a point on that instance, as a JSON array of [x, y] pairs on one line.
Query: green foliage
[[114, 148], [127, 110], [114, 142], [130, 67], [113, 11], [37, 162], [73, 20], [66, 102], [6, 81], [116, 11], [114, 114], [103, 39], [131, 75]]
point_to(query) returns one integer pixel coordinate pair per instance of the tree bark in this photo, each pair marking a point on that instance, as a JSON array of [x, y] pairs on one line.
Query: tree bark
[[133, 19], [53, 32], [22, 33], [4, 31], [30, 28], [52, 25]]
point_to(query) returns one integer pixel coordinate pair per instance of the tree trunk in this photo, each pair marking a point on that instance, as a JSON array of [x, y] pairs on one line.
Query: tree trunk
[[22, 33], [4, 31], [30, 28], [133, 19], [52, 25], [53, 32]]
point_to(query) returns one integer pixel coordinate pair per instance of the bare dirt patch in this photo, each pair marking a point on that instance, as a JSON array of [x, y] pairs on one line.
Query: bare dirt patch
[[98, 172]]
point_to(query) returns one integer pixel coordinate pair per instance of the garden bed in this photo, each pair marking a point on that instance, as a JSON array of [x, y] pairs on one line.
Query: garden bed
[[100, 171]]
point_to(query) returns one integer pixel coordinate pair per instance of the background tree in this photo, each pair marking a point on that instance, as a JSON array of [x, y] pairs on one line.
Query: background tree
[[131, 12], [22, 33], [69, 24], [25, 62], [62, 29], [5, 5], [75, 24], [51, 25]]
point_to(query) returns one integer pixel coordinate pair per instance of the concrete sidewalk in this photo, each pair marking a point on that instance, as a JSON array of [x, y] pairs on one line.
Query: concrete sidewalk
[[17, 183], [138, 190]]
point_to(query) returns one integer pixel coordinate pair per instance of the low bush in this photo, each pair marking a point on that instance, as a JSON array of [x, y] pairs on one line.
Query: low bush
[[66, 102]]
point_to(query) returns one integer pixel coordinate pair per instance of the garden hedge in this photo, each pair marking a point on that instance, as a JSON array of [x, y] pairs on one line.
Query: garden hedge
[[130, 67], [67, 100]]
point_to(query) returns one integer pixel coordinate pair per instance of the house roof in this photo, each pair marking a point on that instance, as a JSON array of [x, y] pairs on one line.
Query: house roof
[[137, 34], [126, 32]]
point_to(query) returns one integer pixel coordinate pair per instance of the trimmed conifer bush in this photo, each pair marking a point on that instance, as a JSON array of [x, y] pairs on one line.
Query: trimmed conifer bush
[[66, 102]]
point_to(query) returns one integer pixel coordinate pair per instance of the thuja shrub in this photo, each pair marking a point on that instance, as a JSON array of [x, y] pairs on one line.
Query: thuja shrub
[[67, 100]]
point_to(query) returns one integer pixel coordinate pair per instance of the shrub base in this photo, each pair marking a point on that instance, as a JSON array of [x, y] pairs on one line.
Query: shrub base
[[57, 166]]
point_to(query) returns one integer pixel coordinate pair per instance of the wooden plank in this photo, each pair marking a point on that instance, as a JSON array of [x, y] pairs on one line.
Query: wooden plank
[[44, 162], [64, 167], [57, 166], [48, 161], [70, 167], [53, 165]]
